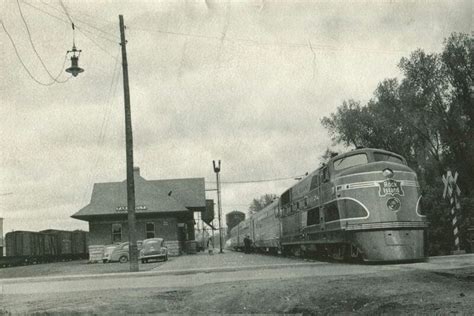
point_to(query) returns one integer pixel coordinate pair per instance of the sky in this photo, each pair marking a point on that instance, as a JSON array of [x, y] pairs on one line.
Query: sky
[[244, 82]]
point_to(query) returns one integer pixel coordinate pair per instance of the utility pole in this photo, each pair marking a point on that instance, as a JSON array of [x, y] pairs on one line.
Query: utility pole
[[132, 237], [217, 169]]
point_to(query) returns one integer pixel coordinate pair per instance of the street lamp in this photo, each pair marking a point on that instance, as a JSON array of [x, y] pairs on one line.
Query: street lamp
[[74, 69]]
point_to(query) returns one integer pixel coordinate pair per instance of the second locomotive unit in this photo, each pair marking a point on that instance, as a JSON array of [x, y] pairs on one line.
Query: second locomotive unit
[[363, 204]]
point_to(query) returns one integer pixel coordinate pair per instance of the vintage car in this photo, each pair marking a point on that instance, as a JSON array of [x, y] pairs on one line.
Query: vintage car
[[107, 252], [118, 253], [153, 248]]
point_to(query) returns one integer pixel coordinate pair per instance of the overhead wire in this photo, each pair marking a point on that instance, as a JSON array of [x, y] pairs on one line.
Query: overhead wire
[[270, 44], [45, 12], [78, 27], [115, 36], [80, 20], [23, 63], [105, 118], [55, 79], [258, 181]]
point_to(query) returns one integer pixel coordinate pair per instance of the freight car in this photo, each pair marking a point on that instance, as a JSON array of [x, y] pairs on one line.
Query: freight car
[[26, 247], [364, 204]]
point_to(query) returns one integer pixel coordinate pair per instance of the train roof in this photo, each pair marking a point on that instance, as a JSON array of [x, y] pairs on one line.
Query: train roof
[[364, 150], [306, 180]]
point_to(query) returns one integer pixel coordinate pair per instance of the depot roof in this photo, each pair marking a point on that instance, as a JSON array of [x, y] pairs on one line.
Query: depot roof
[[151, 196]]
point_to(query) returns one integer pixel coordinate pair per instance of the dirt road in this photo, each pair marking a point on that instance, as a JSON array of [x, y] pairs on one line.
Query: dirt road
[[441, 286]]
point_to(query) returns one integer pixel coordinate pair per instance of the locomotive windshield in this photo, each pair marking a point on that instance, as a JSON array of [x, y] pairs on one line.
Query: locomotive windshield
[[350, 161], [387, 157]]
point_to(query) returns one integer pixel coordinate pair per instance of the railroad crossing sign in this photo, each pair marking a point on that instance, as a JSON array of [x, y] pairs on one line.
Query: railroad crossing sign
[[452, 192]]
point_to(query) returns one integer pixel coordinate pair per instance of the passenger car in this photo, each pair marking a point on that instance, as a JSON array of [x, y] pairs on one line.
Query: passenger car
[[153, 248], [107, 252], [118, 253]]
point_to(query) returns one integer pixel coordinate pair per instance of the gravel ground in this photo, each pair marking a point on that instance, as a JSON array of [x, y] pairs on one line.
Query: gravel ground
[[77, 267], [422, 288], [385, 292], [200, 260]]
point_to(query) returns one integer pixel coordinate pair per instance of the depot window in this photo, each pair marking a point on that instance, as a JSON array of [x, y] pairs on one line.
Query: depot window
[[150, 230], [116, 233], [350, 161]]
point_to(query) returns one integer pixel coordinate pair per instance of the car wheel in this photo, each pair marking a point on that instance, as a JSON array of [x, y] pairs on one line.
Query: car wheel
[[166, 258], [123, 259], [143, 261]]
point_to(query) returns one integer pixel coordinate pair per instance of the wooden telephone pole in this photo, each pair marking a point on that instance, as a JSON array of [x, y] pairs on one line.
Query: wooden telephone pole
[[132, 236]]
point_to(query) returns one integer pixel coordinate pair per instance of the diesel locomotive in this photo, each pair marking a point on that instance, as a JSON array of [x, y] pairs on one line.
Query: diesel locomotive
[[364, 204]]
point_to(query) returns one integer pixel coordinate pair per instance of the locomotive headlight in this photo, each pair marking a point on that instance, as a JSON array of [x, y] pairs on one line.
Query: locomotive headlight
[[393, 204], [388, 173]]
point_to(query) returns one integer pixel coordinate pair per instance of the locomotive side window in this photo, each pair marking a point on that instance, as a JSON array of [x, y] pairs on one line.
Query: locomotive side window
[[350, 161], [314, 182], [332, 212], [313, 216], [386, 157], [325, 175]]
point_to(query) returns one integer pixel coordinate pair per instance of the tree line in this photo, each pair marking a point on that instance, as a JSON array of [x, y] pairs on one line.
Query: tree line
[[427, 116]]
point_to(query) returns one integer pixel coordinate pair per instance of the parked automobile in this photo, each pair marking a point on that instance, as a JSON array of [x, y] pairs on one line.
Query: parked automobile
[[107, 252], [153, 248], [118, 253]]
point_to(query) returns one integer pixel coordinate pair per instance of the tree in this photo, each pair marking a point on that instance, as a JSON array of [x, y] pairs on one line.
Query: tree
[[260, 203]]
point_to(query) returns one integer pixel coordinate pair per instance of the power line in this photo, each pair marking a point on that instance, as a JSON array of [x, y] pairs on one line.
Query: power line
[[96, 44], [258, 181], [72, 22], [36, 52], [45, 12], [80, 20], [23, 64], [65, 11], [77, 27], [108, 103], [312, 46]]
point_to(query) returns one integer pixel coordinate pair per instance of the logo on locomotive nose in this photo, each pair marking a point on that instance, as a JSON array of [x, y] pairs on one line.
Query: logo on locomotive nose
[[391, 187]]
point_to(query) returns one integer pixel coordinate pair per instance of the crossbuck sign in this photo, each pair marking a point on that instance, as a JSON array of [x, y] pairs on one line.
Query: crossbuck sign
[[452, 193]]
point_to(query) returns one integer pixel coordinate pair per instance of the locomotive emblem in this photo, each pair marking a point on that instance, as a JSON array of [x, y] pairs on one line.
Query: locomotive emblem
[[391, 187]]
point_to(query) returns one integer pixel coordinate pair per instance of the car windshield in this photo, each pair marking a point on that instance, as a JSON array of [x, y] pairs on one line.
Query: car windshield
[[350, 161], [123, 246], [386, 157], [155, 243]]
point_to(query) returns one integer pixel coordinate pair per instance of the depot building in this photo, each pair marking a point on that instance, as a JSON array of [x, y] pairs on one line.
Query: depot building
[[164, 208]]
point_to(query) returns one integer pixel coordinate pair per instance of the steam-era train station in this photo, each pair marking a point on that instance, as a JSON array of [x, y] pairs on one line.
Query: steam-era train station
[[213, 157], [359, 207]]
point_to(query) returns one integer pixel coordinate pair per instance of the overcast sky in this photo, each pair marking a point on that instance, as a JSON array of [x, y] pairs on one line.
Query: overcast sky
[[246, 82]]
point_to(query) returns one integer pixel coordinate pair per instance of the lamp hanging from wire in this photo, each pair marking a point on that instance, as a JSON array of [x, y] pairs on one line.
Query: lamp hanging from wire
[[75, 53]]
